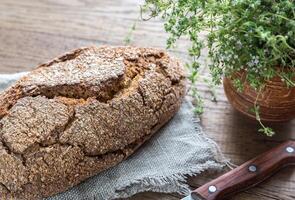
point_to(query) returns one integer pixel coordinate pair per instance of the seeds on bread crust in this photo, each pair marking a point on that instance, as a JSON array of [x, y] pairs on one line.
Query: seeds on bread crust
[[82, 113]]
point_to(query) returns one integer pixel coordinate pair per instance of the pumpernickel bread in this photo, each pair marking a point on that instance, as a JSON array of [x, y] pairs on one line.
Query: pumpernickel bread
[[82, 113]]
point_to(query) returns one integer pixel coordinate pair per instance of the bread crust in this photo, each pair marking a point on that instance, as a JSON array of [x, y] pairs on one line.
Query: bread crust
[[82, 113]]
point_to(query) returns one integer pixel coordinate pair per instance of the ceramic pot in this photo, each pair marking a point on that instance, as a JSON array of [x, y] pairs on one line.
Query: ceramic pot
[[276, 100]]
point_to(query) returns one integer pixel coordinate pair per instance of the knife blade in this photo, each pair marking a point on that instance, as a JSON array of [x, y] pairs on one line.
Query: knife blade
[[248, 174], [188, 198], [193, 196]]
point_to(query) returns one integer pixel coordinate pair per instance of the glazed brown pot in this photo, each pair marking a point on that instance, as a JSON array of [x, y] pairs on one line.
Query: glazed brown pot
[[276, 100]]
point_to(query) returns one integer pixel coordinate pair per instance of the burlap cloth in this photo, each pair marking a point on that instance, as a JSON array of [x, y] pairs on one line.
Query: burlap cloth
[[180, 149]]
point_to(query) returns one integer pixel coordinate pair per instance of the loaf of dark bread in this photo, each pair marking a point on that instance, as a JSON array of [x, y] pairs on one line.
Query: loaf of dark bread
[[82, 113]]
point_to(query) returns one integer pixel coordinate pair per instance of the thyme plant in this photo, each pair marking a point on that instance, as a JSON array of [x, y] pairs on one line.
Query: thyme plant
[[255, 36]]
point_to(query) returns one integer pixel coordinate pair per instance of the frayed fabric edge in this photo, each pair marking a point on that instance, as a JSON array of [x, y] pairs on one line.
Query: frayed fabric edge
[[216, 151], [177, 182]]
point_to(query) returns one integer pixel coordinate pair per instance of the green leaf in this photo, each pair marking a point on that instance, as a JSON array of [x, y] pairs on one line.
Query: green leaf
[[256, 36]]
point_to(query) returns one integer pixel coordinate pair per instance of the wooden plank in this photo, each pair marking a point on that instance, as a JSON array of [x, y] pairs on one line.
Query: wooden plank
[[32, 32]]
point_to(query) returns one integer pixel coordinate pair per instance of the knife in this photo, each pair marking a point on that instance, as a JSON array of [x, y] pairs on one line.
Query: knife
[[248, 174]]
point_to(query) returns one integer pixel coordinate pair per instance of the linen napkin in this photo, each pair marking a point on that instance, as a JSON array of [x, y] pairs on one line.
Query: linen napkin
[[178, 150]]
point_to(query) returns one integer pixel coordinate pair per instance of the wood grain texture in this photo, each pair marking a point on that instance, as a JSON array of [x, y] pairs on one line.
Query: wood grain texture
[[32, 32], [248, 174], [276, 101]]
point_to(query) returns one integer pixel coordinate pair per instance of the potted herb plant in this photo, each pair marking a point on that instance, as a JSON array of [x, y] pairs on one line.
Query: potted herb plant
[[251, 47]]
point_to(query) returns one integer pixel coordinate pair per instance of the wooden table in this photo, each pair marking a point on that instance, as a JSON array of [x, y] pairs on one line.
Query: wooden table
[[32, 32]]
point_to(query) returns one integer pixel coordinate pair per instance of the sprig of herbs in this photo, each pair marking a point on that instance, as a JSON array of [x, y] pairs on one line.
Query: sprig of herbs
[[128, 38], [256, 36]]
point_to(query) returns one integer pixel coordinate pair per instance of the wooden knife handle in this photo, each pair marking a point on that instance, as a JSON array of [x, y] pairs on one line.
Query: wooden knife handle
[[248, 174]]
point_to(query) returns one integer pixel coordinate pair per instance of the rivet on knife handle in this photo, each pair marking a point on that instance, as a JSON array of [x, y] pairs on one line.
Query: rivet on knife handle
[[248, 174]]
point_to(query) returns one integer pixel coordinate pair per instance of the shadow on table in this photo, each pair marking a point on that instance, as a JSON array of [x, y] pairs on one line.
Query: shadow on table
[[253, 142]]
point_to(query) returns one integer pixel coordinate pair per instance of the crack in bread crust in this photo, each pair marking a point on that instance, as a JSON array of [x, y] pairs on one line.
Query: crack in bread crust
[[82, 113]]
